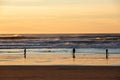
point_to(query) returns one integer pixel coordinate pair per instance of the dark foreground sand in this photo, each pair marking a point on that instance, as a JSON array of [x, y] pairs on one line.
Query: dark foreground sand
[[59, 72]]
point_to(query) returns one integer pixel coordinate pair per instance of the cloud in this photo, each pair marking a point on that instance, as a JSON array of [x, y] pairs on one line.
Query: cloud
[[117, 3], [0, 2], [53, 2], [0, 5]]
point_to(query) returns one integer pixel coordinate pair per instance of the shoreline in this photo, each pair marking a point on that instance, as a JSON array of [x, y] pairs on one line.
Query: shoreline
[[58, 59]]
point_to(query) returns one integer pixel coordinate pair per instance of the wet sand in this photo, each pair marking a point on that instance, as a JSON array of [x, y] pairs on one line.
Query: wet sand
[[59, 72], [59, 67], [58, 59]]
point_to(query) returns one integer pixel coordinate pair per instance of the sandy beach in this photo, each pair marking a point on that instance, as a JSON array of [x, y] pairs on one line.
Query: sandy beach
[[59, 67], [59, 72], [60, 59]]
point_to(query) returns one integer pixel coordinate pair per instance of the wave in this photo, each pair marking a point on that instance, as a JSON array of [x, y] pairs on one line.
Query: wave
[[60, 41], [15, 36], [107, 38]]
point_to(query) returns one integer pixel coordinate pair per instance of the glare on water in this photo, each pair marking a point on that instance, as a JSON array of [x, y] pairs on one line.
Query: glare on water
[[56, 57]]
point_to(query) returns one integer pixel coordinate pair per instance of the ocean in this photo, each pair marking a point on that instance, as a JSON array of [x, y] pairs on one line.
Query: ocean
[[60, 43], [53, 49]]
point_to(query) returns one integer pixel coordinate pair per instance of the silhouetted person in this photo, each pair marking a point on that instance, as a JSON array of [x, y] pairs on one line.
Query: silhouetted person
[[74, 52], [106, 53], [25, 53]]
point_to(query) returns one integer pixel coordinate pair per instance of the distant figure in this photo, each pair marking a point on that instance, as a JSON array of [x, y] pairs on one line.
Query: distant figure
[[106, 53], [25, 53], [74, 52], [49, 51]]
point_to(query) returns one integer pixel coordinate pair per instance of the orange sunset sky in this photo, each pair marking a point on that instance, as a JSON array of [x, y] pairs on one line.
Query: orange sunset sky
[[59, 16]]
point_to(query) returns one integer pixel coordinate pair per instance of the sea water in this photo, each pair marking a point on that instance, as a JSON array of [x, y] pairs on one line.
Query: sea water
[[51, 47]]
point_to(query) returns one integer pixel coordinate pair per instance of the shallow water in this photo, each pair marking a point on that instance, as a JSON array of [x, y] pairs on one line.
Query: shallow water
[[53, 49], [61, 51], [59, 57]]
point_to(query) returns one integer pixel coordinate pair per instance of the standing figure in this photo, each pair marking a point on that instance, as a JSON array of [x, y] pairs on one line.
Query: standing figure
[[106, 53], [25, 53], [74, 52]]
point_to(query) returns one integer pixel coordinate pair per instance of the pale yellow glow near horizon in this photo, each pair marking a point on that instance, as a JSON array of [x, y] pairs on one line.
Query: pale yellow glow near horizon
[[62, 16]]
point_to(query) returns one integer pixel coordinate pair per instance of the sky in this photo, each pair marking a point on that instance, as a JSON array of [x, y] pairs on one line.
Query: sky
[[59, 16]]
